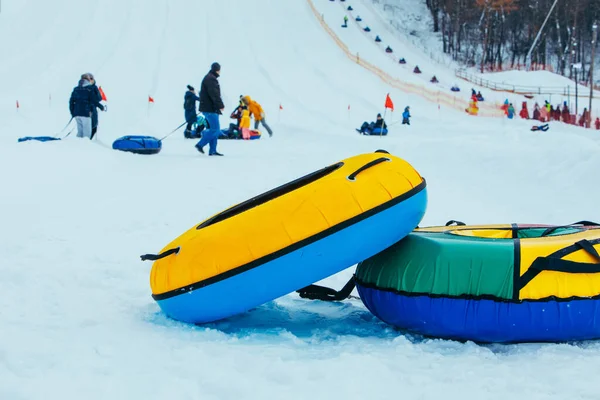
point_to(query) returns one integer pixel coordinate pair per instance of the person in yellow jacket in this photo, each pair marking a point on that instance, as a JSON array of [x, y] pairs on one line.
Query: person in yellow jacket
[[245, 123], [257, 112]]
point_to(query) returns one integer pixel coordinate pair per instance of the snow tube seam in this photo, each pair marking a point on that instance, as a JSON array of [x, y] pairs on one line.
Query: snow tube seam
[[369, 285]]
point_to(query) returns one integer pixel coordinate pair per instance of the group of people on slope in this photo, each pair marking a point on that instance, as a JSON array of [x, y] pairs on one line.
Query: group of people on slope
[[84, 104], [211, 106], [379, 125]]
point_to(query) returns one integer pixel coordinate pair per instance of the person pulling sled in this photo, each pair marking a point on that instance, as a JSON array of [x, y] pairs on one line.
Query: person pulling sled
[[189, 105]]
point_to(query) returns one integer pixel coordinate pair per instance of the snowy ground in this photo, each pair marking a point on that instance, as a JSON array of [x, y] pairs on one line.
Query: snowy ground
[[77, 319]]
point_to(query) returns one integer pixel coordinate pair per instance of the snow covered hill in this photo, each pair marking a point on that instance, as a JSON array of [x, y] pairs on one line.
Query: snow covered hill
[[77, 319]]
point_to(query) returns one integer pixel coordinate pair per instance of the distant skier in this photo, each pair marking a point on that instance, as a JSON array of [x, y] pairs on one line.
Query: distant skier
[[211, 105], [524, 113], [479, 96], [345, 22], [504, 106], [189, 105], [434, 79], [536, 112], [257, 112], [406, 116], [566, 115], [544, 115], [597, 123], [583, 120], [510, 112], [81, 104], [417, 70]]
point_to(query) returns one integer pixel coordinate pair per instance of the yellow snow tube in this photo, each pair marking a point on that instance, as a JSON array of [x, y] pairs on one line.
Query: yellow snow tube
[[359, 205]]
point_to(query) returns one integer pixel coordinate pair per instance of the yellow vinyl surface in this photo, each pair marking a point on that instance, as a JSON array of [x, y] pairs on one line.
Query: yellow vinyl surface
[[562, 285], [282, 221], [559, 284]]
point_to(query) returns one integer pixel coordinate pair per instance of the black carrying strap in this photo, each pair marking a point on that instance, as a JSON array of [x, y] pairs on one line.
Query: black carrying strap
[[154, 257], [368, 165], [316, 292], [455, 223], [578, 223], [554, 262]]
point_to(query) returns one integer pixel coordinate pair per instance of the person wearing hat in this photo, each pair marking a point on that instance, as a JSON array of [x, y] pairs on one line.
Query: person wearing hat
[[189, 105], [367, 128], [406, 116], [257, 112], [211, 105], [380, 123], [81, 104], [97, 98]]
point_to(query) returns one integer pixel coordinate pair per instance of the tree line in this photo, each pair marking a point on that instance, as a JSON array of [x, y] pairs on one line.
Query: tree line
[[497, 34]]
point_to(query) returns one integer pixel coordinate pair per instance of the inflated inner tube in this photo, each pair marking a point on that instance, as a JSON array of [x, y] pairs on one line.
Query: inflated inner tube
[[138, 144], [288, 238], [503, 283]]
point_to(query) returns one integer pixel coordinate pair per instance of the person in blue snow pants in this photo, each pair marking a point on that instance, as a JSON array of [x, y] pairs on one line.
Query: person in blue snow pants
[[210, 135], [211, 105]]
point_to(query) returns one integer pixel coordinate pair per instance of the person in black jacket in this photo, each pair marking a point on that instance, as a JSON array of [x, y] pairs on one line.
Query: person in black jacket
[[189, 105], [211, 105], [80, 106], [97, 98]]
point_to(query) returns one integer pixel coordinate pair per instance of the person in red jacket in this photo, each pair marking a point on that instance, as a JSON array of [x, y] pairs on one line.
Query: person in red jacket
[[597, 123], [566, 115], [524, 112], [536, 112], [583, 120]]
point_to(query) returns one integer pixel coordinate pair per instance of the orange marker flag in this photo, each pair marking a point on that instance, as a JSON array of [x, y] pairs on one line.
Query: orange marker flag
[[102, 93], [388, 102], [150, 99]]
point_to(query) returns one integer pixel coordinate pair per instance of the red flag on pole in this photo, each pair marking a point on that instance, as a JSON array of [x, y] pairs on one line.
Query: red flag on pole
[[388, 102], [102, 93], [150, 99]]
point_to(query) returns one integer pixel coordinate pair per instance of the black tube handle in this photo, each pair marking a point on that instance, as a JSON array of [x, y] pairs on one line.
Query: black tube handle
[[154, 257], [316, 292], [554, 262], [352, 176], [455, 223]]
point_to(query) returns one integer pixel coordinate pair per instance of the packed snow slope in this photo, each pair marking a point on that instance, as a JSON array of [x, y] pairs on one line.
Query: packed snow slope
[[77, 318]]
